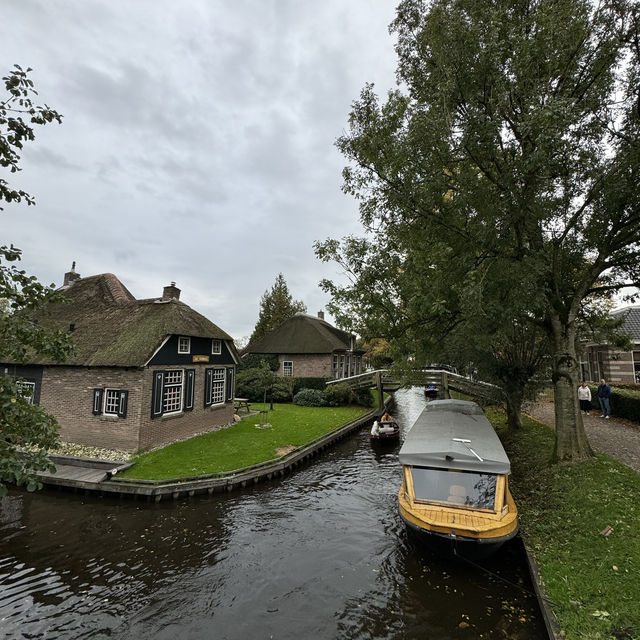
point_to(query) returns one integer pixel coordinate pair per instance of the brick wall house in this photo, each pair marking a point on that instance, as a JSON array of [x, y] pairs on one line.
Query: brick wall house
[[307, 346], [144, 372], [613, 364]]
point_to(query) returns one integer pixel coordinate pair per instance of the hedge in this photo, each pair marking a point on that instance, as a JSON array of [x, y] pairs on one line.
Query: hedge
[[625, 403]]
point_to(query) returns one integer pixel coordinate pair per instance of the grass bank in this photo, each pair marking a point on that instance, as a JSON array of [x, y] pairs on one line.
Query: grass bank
[[242, 444], [591, 580]]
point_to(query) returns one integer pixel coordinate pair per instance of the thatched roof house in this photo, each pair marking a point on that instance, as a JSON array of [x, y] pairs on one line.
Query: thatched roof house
[[136, 363], [307, 346]]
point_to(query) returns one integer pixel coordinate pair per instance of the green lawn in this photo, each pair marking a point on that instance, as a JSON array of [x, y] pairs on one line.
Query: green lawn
[[242, 444], [592, 581]]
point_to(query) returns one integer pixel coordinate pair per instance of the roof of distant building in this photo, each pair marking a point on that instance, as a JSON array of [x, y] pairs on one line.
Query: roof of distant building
[[302, 334], [631, 324]]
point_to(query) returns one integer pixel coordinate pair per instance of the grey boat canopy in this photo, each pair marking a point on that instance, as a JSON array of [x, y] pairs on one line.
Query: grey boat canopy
[[454, 434]]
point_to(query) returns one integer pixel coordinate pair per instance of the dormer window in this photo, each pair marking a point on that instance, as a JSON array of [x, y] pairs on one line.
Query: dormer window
[[216, 347], [184, 344]]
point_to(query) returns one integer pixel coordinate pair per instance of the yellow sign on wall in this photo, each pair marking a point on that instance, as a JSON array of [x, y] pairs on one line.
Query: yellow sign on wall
[[200, 358]]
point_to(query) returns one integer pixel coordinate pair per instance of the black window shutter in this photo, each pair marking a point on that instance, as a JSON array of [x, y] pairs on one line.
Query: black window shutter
[[122, 407], [208, 381], [229, 383], [156, 394], [189, 387], [97, 401]]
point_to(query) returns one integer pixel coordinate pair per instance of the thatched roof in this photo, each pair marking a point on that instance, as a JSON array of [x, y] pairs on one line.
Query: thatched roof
[[302, 334], [109, 327]]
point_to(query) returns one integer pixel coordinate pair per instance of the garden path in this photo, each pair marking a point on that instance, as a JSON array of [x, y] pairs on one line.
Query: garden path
[[616, 437]]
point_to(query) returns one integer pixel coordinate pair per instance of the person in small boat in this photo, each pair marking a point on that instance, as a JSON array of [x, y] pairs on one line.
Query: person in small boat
[[386, 418], [584, 396]]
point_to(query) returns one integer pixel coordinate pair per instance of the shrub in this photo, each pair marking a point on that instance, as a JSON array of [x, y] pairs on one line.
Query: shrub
[[284, 389], [310, 398], [250, 384], [342, 394], [338, 395], [625, 403], [311, 383]]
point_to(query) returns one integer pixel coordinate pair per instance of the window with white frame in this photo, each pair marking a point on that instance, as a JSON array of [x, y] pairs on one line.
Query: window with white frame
[[110, 402], [216, 347], [184, 344], [27, 390], [287, 368], [172, 391], [217, 386]]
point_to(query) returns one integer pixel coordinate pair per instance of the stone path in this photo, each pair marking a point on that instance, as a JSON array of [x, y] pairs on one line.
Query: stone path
[[619, 439]]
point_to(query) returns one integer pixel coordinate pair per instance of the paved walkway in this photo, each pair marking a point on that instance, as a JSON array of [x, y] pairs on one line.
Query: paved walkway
[[619, 439]]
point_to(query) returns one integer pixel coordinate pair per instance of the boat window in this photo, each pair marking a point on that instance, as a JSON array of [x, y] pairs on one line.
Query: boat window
[[475, 490]]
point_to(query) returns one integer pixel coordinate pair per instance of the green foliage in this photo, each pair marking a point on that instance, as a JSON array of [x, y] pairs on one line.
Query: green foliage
[[310, 398], [254, 383], [499, 188], [283, 389], [26, 431], [311, 383], [562, 510], [255, 360], [276, 306], [242, 444], [625, 403], [342, 394]]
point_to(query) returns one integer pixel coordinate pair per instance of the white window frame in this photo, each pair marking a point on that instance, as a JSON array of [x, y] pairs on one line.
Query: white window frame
[[287, 371], [172, 389], [115, 402], [23, 385], [216, 347], [182, 348], [218, 385]]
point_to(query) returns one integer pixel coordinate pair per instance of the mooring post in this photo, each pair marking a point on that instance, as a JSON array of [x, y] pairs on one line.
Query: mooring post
[[379, 389]]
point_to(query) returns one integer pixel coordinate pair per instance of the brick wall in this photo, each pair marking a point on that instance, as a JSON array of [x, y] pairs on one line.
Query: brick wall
[[308, 366], [157, 432], [67, 393]]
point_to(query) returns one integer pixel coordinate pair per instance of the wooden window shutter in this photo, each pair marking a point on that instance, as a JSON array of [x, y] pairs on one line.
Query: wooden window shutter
[[122, 406], [208, 382], [97, 401], [156, 394], [229, 395], [189, 389]]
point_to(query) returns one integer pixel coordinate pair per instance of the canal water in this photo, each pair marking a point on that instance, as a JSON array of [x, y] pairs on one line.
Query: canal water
[[319, 554]]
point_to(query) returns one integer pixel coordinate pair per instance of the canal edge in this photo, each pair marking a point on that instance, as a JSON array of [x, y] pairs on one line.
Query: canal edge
[[550, 622], [215, 483]]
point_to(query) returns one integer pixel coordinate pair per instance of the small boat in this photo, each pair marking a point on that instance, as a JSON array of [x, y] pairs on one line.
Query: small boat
[[455, 488], [431, 390], [385, 429]]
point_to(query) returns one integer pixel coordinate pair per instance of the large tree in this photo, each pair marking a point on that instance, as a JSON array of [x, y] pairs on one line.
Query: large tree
[[513, 147], [276, 306], [26, 431]]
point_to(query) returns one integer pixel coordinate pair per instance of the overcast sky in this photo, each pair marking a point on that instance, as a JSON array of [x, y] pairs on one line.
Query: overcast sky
[[197, 144]]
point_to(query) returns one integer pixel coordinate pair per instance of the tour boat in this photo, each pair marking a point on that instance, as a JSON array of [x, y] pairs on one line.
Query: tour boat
[[384, 430], [455, 486]]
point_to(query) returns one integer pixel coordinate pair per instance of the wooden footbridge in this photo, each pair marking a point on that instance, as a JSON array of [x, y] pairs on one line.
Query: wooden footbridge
[[384, 380]]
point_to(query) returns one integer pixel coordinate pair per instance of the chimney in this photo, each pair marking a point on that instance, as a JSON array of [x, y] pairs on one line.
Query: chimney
[[171, 293], [321, 315], [71, 276]]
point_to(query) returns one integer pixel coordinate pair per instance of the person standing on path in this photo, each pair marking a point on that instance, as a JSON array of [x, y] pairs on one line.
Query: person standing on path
[[584, 395], [604, 395]]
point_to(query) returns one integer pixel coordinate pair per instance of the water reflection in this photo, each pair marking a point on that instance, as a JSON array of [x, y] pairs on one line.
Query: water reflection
[[320, 554]]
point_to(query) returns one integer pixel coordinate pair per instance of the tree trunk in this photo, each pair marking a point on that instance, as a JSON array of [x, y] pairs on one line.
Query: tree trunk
[[514, 398], [571, 440]]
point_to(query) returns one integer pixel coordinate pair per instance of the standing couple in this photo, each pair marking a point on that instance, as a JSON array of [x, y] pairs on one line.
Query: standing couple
[[604, 398]]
